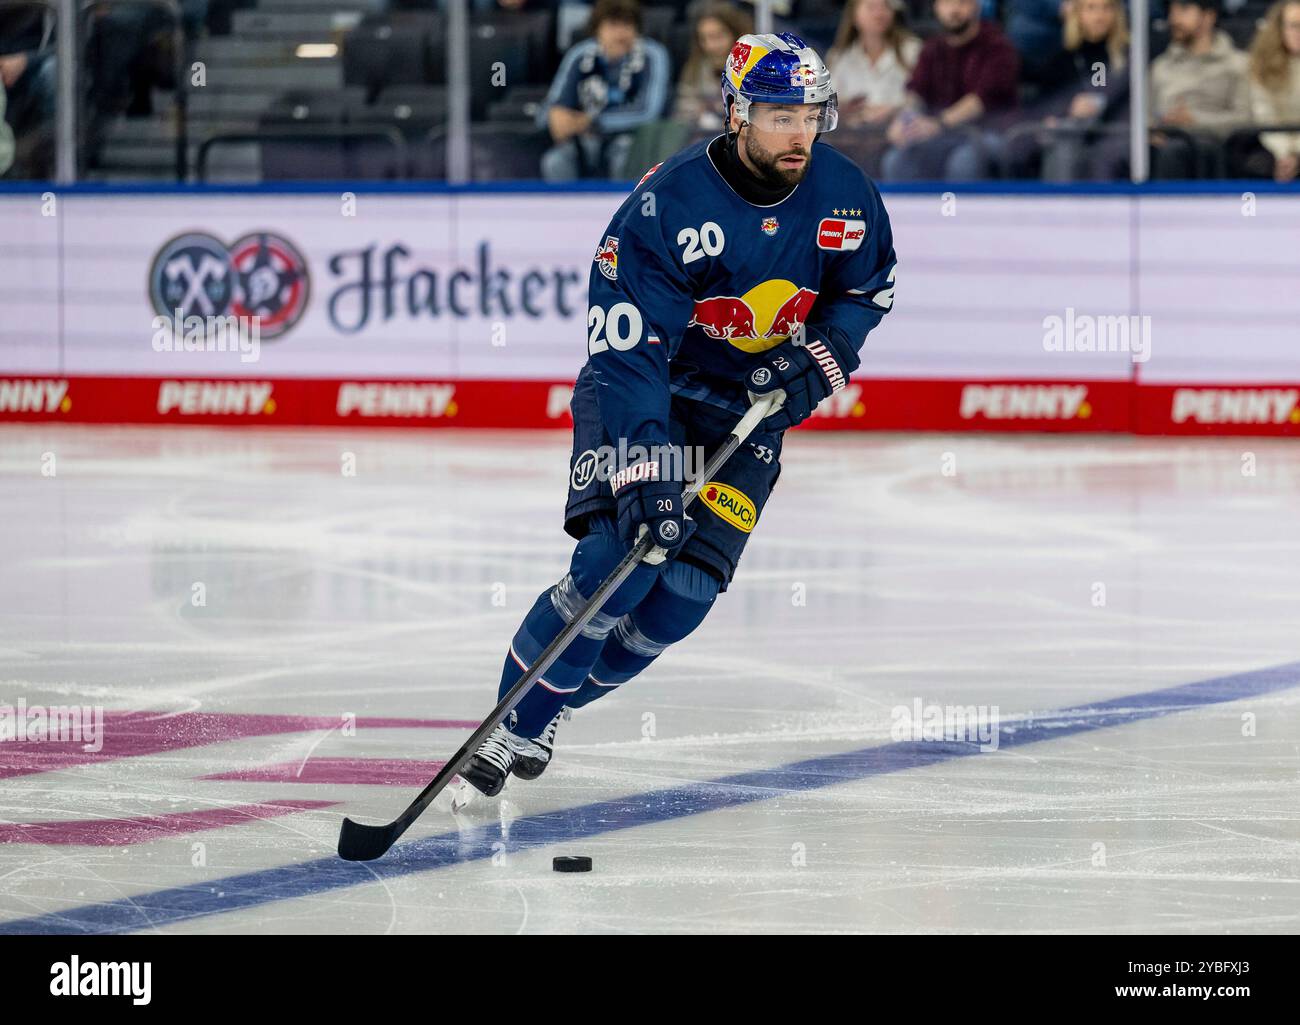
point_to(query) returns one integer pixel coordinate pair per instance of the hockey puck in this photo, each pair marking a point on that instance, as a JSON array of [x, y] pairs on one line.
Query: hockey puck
[[571, 863]]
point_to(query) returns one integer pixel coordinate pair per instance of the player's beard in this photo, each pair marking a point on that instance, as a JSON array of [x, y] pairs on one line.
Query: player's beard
[[765, 162]]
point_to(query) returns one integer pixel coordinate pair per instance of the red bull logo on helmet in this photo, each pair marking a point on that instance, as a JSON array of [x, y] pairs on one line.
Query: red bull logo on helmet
[[765, 316], [804, 76]]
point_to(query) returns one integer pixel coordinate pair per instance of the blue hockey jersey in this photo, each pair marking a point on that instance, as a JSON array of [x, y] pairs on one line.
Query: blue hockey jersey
[[691, 283]]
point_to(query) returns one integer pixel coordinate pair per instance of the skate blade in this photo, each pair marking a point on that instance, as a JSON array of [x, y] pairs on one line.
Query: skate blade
[[461, 794]]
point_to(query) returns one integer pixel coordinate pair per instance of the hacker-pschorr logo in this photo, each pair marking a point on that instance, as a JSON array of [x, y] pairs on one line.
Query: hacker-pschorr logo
[[73, 978], [262, 278]]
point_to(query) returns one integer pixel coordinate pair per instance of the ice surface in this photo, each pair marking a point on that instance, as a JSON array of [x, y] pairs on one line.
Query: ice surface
[[748, 781]]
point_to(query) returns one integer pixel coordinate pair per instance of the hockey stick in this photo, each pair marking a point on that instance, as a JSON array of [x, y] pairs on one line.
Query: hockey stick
[[359, 842]]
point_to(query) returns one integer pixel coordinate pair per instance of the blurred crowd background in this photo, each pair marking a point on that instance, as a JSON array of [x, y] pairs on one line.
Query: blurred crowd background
[[954, 90]]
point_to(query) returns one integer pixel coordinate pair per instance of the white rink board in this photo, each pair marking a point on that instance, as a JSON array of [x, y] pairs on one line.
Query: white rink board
[[507, 275]]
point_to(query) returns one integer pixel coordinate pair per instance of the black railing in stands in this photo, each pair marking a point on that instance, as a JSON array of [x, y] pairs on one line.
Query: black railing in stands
[[346, 135], [1236, 140], [1068, 128], [1212, 161]]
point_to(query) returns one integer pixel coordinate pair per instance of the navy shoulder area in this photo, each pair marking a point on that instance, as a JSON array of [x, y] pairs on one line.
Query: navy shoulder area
[[833, 168], [674, 179]]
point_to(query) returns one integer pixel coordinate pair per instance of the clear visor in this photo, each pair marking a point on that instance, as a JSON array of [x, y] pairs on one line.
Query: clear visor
[[804, 118]]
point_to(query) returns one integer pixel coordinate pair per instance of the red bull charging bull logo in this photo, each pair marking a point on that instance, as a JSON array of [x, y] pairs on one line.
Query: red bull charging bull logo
[[607, 257], [765, 316]]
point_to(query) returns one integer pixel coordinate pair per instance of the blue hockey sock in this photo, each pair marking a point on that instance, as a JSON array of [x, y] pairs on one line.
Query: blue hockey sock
[[675, 605], [594, 559]]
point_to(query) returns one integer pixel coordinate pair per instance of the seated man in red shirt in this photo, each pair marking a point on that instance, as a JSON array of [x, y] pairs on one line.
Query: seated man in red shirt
[[962, 90]]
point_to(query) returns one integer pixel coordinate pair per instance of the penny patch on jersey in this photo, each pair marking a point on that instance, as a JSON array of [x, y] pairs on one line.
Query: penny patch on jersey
[[839, 233]]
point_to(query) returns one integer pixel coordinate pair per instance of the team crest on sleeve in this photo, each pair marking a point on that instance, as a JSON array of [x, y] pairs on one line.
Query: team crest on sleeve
[[607, 257], [840, 233], [770, 225]]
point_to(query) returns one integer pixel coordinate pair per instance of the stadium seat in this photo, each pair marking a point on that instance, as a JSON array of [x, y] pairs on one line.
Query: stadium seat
[[398, 48], [506, 152], [498, 46], [413, 110], [519, 104]]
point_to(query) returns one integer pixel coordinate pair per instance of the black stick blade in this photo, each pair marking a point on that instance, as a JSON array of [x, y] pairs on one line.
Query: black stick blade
[[365, 843]]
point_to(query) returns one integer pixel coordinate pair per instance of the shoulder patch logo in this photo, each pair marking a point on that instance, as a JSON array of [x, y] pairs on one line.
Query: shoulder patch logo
[[839, 233], [731, 504], [607, 257]]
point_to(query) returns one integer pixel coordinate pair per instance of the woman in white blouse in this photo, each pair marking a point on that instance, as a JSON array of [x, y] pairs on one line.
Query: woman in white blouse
[[871, 61], [1275, 91]]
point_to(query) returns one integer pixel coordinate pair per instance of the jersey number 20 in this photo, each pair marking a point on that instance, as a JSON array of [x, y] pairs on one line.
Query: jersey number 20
[[622, 328], [708, 241]]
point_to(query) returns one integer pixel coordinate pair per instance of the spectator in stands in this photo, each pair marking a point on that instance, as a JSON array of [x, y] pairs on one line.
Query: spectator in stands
[[873, 57], [871, 60], [509, 5], [699, 88], [1275, 93], [1084, 87], [1199, 85], [1034, 28], [607, 87], [27, 73], [961, 93], [6, 138]]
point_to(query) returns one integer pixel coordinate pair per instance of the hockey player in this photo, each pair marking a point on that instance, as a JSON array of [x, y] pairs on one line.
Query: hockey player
[[755, 262]]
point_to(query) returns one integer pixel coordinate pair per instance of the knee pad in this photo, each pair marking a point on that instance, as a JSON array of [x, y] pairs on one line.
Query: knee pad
[[676, 605], [596, 555], [594, 558]]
